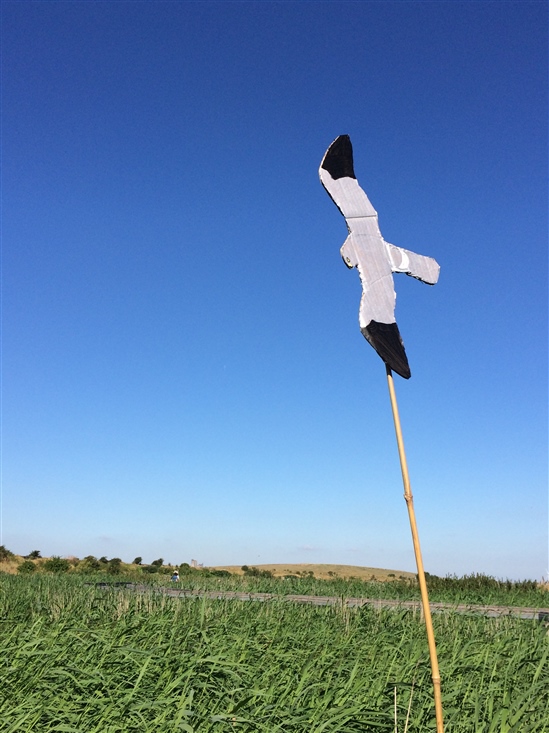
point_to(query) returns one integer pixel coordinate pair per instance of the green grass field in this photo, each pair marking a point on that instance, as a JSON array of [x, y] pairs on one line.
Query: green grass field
[[77, 658]]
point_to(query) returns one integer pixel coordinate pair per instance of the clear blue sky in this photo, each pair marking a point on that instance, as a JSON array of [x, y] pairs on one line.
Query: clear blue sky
[[183, 370]]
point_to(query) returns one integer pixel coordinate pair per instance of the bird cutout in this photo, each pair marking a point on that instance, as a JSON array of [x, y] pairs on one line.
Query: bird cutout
[[375, 259]]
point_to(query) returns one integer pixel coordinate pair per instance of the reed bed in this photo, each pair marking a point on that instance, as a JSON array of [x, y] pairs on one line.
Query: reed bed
[[472, 589], [80, 659]]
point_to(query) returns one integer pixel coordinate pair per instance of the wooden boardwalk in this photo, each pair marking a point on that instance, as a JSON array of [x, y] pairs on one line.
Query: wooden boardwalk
[[538, 614]]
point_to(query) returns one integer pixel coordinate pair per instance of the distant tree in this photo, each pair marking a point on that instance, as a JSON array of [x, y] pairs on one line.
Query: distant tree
[[137, 561], [245, 568], [34, 555], [114, 566], [103, 560], [89, 564], [26, 567], [5, 554], [56, 564], [158, 562]]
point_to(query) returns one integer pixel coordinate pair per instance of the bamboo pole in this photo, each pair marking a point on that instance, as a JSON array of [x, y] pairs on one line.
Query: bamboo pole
[[435, 674]]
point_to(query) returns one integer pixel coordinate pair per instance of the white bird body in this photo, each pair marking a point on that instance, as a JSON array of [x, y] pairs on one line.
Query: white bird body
[[375, 259]]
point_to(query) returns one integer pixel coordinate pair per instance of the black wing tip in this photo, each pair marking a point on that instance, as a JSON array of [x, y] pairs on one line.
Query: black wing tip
[[338, 160], [386, 340]]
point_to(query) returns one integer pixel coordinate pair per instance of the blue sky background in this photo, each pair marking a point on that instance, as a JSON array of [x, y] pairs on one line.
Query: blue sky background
[[183, 371]]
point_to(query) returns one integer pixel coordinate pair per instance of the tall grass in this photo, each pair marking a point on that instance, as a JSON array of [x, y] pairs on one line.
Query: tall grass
[[77, 658], [470, 589]]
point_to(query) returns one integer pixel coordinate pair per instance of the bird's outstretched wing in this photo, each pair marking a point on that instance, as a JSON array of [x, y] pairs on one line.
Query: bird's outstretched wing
[[338, 178], [422, 268]]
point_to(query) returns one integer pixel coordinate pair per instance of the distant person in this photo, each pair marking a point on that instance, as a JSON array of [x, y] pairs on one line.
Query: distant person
[[175, 577]]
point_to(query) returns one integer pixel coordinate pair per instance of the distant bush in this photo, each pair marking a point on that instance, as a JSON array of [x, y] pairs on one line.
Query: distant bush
[[56, 564], [149, 569], [137, 561], [34, 555], [5, 554], [114, 567], [26, 567], [158, 562], [88, 564], [254, 572]]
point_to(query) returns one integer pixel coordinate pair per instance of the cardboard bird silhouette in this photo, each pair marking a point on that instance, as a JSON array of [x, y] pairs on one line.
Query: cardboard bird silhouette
[[375, 259]]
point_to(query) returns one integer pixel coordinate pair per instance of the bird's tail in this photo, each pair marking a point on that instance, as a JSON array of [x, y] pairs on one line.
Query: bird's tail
[[386, 340]]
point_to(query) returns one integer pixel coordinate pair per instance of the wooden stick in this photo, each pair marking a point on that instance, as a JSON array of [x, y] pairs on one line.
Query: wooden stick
[[417, 551]]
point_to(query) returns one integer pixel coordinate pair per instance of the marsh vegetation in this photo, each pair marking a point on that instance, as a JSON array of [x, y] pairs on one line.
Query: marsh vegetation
[[79, 658]]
